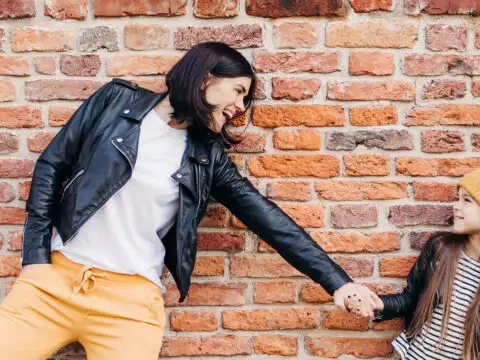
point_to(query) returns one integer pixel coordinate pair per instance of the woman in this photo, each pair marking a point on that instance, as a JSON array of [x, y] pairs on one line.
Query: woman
[[441, 302], [125, 183]]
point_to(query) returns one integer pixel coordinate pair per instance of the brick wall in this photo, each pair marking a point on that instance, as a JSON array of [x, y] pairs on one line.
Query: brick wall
[[366, 116]]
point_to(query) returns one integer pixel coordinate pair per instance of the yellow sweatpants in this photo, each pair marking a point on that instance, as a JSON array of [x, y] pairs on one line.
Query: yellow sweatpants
[[114, 316]]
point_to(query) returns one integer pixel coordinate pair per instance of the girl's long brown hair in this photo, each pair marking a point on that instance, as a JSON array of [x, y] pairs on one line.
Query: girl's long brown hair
[[446, 261]]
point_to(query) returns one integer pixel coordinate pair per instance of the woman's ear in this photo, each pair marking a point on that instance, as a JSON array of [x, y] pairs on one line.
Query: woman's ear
[[206, 81]]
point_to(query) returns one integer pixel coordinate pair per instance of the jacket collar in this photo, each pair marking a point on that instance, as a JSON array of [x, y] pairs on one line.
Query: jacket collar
[[142, 105]]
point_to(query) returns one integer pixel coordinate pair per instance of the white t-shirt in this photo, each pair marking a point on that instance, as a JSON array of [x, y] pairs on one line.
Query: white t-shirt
[[122, 235]]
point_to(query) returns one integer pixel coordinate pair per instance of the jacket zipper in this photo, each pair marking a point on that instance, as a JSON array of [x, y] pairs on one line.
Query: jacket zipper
[[70, 183]]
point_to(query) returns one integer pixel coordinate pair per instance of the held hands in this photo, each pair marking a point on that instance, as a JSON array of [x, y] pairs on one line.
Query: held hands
[[358, 299]]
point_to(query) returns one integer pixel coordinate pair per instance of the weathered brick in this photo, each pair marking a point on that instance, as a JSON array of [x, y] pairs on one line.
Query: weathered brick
[[34, 39], [259, 91], [9, 143], [215, 216], [98, 37], [237, 36], [320, 166], [208, 294], [16, 9], [39, 142], [283, 292], [310, 216], [45, 90], [294, 62], [296, 139], [297, 115], [66, 9], [59, 115], [442, 141], [209, 266], [20, 117], [271, 319], [10, 168], [341, 320], [442, 7], [261, 266], [294, 88], [434, 191], [193, 321], [476, 88], [371, 5], [276, 345], [353, 216], [334, 347], [454, 114], [476, 142], [373, 115], [252, 143], [24, 189], [340, 190], [83, 65], [436, 166], [371, 63], [397, 324], [279, 8], [140, 64], [383, 139], [314, 293], [155, 85], [372, 34], [7, 91], [385, 288], [289, 191], [443, 37], [393, 90], [366, 165], [15, 240], [146, 37], [11, 216], [441, 64], [289, 34], [361, 267], [408, 215], [9, 266], [14, 66], [397, 266], [2, 40], [215, 8], [444, 89], [45, 65], [140, 7], [226, 345], [353, 241], [418, 240], [7, 193]]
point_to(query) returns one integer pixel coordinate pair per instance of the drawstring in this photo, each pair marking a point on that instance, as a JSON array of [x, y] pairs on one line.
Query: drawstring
[[86, 280]]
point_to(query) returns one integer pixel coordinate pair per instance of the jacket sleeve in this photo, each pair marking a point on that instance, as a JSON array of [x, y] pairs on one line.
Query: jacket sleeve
[[274, 226], [52, 168], [404, 303]]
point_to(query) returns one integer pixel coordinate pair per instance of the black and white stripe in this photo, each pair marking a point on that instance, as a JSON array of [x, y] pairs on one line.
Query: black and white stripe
[[427, 344]]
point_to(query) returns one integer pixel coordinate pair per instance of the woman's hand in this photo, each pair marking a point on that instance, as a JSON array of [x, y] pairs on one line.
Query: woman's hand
[[358, 299]]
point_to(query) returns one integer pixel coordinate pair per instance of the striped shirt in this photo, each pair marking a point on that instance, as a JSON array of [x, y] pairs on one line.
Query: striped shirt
[[427, 344]]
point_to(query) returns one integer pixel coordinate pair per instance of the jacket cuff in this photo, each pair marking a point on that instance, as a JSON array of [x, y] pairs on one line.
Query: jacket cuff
[[336, 282], [39, 255]]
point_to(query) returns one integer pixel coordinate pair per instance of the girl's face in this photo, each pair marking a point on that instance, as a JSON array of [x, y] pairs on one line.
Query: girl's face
[[466, 214], [227, 95]]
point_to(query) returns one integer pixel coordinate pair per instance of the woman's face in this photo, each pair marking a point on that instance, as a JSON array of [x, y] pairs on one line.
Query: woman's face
[[466, 214], [227, 94]]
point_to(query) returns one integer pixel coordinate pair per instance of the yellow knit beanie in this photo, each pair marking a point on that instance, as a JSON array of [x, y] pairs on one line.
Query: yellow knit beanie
[[471, 183]]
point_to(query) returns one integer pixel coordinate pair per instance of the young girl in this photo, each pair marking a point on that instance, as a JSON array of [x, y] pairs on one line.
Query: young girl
[[441, 301]]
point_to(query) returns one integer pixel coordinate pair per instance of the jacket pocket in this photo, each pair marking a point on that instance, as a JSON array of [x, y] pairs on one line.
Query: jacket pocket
[[75, 178]]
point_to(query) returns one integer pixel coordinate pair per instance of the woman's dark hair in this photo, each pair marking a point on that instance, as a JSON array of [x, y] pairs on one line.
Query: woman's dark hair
[[185, 79]]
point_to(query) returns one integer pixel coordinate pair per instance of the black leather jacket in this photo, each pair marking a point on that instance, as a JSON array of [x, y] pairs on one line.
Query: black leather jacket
[[93, 156]]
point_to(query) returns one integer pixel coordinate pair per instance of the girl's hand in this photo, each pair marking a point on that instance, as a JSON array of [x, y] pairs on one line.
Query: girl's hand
[[354, 302]]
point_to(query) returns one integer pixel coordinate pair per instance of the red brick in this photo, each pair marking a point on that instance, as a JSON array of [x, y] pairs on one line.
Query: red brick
[[353, 241], [393, 90], [296, 115], [12, 216], [296, 139], [441, 64], [314, 293], [72, 89], [373, 115], [295, 35], [140, 7], [408, 215], [341, 320], [34, 39], [252, 143], [371, 63], [237, 36], [9, 266], [83, 65], [10, 168], [98, 37], [447, 114], [15, 240], [261, 266], [59, 115], [24, 189], [397, 266], [476, 142], [434, 191], [279, 8], [259, 91], [2, 40], [157, 85], [443, 37], [340, 190], [215, 8], [320, 166], [14, 66], [276, 345], [270, 319], [17, 9], [444, 89], [442, 141], [209, 266], [45, 65], [121, 65], [310, 216], [39, 142], [66, 9], [371, 5], [289, 191], [294, 62], [209, 294], [294, 89], [7, 193], [220, 241], [389, 325], [436, 166], [385, 288], [193, 321], [227, 345], [418, 239], [476, 88], [146, 37], [20, 117], [283, 292], [361, 348], [353, 216], [215, 216], [442, 7], [8, 143], [7, 91], [355, 267], [366, 165]]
